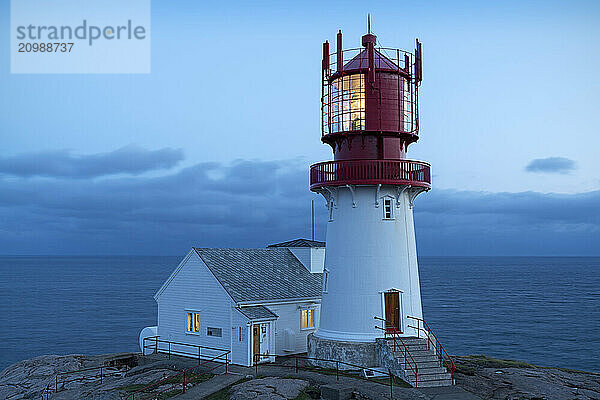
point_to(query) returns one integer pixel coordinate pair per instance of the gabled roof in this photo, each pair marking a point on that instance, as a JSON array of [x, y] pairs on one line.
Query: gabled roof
[[261, 274], [299, 243], [257, 312]]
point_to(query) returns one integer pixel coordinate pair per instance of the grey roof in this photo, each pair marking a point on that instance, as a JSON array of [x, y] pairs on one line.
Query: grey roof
[[261, 274], [258, 312], [299, 243]]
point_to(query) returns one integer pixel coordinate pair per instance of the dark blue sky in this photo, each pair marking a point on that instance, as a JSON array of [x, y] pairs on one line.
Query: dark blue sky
[[212, 147]]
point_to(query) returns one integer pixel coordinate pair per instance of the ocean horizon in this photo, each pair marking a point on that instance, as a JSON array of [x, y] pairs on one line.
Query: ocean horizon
[[541, 310]]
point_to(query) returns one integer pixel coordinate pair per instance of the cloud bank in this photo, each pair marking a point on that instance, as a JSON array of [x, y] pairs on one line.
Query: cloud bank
[[63, 164], [553, 165], [252, 203]]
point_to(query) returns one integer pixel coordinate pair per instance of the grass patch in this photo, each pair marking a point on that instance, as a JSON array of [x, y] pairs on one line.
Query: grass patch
[[133, 388], [489, 362], [309, 393]]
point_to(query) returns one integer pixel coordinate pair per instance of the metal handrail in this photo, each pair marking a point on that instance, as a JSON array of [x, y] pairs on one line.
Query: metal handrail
[[155, 341], [444, 357], [48, 389], [396, 335], [257, 357], [183, 374]]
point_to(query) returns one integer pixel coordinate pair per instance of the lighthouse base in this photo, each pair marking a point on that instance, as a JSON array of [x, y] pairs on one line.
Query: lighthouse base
[[358, 353]]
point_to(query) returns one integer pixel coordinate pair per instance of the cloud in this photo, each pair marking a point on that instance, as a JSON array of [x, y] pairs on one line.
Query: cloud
[[63, 164], [251, 203], [553, 165]]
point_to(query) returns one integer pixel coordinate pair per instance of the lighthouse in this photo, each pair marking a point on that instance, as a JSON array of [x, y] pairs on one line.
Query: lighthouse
[[370, 116]]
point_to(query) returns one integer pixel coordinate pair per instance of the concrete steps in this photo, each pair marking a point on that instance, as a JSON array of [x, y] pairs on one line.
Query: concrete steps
[[430, 372]]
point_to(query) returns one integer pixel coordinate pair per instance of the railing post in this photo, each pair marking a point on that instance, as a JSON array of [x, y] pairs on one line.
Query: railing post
[[183, 381], [169, 350], [226, 362], [296, 358], [199, 354], [56, 384], [391, 385], [156, 345], [256, 364], [144, 346], [101, 375], [337, 370]]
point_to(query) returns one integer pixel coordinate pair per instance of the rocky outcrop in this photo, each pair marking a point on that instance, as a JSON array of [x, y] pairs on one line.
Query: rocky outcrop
[[27, 379], [491, 379], [268, 389]]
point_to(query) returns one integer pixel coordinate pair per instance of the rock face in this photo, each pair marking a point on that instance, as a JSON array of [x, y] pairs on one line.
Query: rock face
[[511, 380], [27, 379], [268, 389]]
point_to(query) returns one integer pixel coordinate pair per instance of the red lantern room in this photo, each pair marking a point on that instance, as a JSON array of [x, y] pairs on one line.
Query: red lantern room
[[370, 115]]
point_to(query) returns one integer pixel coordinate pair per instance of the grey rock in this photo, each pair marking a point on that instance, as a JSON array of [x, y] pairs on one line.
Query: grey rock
[[268, 389], [505, 379], [336, 392]]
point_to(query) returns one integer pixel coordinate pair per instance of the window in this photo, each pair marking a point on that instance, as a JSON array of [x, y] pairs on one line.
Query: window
[[240, 334], [193, 322], [325, 279], [217, 332], [388, 210], [308, 318], [344, 108], [331, 211]]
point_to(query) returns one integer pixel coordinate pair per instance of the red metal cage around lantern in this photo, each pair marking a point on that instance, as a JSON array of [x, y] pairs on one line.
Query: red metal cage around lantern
[[357, 98]]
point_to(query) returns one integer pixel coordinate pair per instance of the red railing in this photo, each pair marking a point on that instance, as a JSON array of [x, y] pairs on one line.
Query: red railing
[[398, 343], [370, 172], [337, 363], [172, 382], [443, 356]]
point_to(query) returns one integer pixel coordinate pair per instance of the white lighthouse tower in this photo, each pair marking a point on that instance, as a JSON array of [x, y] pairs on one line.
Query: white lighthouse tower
[[370, 117]]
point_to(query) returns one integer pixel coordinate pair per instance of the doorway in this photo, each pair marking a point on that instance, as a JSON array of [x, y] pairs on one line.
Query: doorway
[[260, 342], [392, 311]]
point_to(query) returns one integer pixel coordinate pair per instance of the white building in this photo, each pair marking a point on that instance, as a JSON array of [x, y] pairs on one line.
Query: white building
[[249, 301]]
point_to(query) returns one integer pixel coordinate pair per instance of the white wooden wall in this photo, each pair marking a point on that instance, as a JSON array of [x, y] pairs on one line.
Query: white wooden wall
[[240, 349], [194, 288], [290, 318]]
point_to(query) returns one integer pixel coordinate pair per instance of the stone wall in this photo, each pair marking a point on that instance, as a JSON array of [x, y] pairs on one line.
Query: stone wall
[[357, 353]]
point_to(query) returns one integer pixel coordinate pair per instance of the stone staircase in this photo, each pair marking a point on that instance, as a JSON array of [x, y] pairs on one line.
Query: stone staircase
[[430, 373]]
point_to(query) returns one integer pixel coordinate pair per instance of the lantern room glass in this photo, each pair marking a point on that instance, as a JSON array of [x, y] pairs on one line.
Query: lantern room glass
[[347, 103]]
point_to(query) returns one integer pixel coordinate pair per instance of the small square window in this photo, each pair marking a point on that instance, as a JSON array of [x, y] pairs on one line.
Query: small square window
[[388, 209], [193, 322], [308, 318], [217, 332]]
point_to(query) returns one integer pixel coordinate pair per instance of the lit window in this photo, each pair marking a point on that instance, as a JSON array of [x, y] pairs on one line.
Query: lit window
[[217, 332], [325, 279], [308, 318], [388, 210], [193, 322], [347, 103]]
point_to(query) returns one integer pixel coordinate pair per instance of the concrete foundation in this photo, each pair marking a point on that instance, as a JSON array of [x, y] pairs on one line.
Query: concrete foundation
[[362, 354]]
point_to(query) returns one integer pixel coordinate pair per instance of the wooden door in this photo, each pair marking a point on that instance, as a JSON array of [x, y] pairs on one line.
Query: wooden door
[[392, 311], [255, 343]]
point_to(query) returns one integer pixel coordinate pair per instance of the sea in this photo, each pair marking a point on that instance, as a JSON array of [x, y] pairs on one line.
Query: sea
[[542, 310]]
